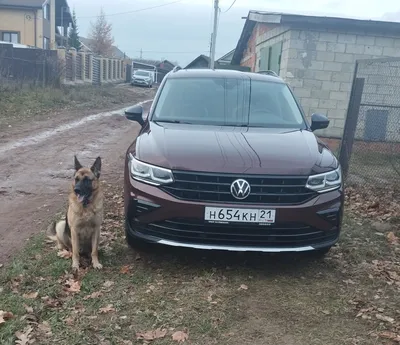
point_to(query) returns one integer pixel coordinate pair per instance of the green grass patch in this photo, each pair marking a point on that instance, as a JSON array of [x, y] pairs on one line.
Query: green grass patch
[[215, 298]]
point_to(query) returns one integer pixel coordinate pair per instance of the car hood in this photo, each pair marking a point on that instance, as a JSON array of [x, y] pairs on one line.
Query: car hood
[[141, 77], [233, 149]]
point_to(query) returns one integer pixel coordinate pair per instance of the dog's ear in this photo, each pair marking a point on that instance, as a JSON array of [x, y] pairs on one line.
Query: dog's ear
[[77, 164], [96, 167]]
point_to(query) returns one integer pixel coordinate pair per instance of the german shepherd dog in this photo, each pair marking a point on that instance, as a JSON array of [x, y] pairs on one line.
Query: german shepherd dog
[[80, 231]]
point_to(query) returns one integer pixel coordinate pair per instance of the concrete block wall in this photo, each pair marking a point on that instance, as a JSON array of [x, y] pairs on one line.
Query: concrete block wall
[[382, 82], [319, 66]]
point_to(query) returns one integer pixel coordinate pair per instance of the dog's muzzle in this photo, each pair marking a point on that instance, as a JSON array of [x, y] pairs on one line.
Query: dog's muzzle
[[83, 190]]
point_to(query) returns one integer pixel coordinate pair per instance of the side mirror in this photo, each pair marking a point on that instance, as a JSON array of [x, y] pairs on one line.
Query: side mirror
[[319, 121], [135, 113]]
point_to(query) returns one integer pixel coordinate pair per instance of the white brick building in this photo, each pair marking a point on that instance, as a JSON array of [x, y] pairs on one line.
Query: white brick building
[[316, 56]]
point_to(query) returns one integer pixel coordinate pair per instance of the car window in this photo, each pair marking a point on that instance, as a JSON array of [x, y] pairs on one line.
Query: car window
[[273, 105], [228, 101]]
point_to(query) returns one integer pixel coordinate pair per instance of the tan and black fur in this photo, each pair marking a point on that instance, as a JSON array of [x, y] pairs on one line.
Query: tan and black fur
[[80, 231]]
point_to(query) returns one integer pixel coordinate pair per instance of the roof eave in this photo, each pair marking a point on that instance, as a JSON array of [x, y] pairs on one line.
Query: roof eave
[[244, 37], [342, 23], [16, 7]]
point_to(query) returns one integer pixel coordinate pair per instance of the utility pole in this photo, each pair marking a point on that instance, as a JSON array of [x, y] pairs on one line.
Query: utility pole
[[214, 35], [211, 38], [141, 54]]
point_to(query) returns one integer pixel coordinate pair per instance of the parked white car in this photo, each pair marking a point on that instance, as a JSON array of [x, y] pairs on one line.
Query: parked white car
[[142, 77]]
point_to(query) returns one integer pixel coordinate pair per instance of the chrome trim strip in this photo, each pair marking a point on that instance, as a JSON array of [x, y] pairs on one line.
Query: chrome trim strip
[[235, 249]]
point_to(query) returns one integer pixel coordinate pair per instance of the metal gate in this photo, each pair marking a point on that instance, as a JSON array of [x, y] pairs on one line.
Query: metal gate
[[96, 71], [128, 76], [370, 148]]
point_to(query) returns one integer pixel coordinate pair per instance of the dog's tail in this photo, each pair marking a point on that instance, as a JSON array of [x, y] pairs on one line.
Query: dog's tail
[[54, 229]]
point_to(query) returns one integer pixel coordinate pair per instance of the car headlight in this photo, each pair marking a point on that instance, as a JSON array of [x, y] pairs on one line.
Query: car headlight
[[149, 173], [325, 182]]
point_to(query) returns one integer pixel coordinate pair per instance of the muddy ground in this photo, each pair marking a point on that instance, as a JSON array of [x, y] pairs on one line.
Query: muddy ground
[[36, 164]]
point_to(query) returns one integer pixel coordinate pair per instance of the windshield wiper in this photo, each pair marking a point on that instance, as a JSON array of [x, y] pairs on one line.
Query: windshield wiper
[[173, 121]]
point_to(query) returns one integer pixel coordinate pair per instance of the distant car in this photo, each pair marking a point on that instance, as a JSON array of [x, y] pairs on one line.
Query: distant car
[[142, 77], [227, 160]]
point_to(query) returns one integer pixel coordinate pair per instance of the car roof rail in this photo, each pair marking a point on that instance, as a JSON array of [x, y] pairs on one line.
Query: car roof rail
[[269, 72], [176, 69]]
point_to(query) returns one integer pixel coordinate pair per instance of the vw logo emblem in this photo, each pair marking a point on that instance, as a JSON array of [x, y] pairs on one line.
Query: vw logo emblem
[[240, 189]]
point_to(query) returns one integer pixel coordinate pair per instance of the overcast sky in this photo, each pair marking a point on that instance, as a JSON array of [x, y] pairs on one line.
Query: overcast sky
[[181, 31]]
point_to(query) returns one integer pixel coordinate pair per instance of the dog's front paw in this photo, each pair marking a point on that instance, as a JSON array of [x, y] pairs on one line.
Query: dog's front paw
[[75, 268], [97, 265]]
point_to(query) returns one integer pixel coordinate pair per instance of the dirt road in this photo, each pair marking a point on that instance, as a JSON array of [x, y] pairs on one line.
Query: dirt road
[[36, 165]]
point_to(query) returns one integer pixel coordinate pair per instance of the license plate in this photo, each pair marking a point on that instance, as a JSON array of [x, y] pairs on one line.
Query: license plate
[[239, 215]]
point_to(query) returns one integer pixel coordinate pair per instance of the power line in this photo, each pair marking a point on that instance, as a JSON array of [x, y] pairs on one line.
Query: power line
[[230, 6], [126, 12], [135, 11], [165, 52]]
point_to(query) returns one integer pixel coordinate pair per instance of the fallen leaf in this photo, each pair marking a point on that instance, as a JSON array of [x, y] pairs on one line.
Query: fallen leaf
[[180, 336], [93, 295], [152, 335], [326, 312], [349, 282], [28, 308], [390, 335], [394, 276], [110, 308], [30, 295], [392, 238], [51, 302], [1, 265], [69, 321], [384, 318], [23, 337], [108, 284], [125, 269], [5, 315], [243, 287], [66, 254], [72, 285], [45, 328]]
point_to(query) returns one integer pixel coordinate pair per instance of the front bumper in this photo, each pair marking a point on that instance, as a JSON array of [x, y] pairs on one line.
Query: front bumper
[[155, 216], [140, 82]]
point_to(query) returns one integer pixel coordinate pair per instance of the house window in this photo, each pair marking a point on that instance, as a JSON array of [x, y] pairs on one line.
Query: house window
[[12, 37], [270, 58], [46, 43], [46, 11]]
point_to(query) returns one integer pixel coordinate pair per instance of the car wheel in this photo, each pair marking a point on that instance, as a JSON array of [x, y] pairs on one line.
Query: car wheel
[[136, 243]]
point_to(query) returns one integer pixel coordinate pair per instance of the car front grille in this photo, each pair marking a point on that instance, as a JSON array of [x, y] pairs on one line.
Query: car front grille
[[215, 188], [198, 232]]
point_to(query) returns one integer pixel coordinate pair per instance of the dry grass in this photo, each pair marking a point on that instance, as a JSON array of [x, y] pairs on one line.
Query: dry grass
[[215, 298], [22, 104]]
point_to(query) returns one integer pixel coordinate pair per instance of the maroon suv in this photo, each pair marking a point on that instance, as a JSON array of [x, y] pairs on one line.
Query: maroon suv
[[226, 160]]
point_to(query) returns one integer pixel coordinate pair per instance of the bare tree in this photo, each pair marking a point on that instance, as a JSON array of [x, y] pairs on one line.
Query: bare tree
[[101, 35]]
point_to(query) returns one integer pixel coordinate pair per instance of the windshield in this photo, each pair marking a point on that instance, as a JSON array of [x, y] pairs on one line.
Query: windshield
[[228, 102], [142, 73]]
